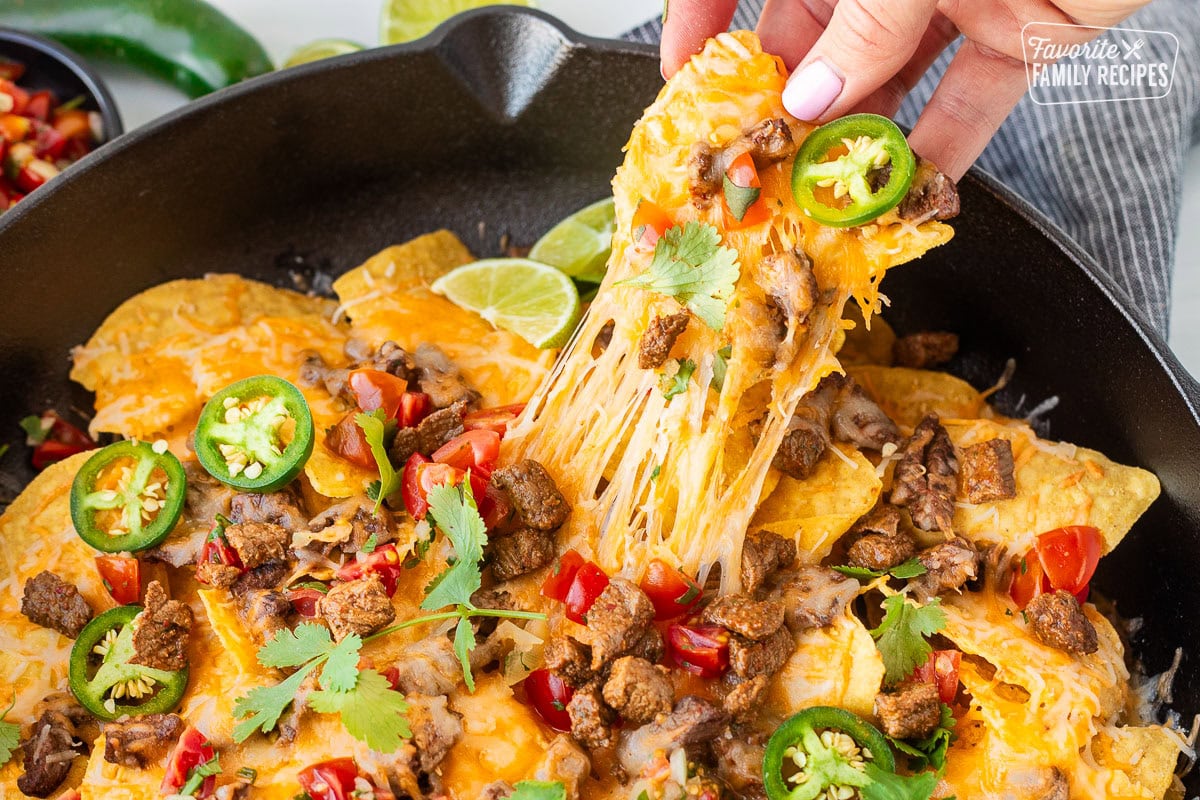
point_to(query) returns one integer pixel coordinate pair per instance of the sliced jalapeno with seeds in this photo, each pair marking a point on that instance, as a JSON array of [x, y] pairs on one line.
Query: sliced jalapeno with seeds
[[823, 752], [128, 496], [105, 682], [256, 434]]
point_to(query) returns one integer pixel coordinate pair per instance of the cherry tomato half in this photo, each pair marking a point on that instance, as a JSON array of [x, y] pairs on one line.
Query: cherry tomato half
[[699, 649], [304, 599], [588, 584], [672, 592], [191, 751], [384, 562], [1069, 556], [549, 695], [941, 669], [559, 581], [330, 780], [122, 576], [347, 440], [420, 475], [475, 450]]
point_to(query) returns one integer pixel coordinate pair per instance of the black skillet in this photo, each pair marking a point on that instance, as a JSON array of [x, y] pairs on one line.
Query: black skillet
[[495, 126]]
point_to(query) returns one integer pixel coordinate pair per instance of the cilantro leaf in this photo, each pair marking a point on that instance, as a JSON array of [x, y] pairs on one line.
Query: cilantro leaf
[[464, 643], [293, 648], [690, 265], [371, 711], [909, 569], [375, 430], [678, 383], [454, 511], [930, 751], [721, 367], [264, 705], [370, 544], [886, 785], [341, 668], [739, 198], [10, 734], [900, 637], [539, 790], [36, 429]]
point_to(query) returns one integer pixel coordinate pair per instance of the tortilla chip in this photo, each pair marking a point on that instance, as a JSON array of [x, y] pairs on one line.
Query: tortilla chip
[[818, 510], [907, 395], [863, 345], [1058, 484], [833, 666], [1142, 759]]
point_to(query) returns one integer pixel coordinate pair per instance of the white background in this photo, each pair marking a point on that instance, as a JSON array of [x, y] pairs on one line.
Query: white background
[[284, 25]]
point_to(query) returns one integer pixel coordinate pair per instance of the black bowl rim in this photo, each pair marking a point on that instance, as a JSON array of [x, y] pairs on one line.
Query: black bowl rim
[[1188, 387], [91, 80]]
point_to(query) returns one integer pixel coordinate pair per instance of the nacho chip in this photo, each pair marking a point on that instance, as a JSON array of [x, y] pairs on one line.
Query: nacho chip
[[866, 345], [907, 395], [833, 666]]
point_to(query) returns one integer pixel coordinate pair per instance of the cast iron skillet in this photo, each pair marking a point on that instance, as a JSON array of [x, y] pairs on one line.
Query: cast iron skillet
[[499, 123]]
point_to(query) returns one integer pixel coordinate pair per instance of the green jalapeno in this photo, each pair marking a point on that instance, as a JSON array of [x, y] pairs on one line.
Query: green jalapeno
[[105, 682], [256, 434], [822, 748], [875, 150], [128, 496]]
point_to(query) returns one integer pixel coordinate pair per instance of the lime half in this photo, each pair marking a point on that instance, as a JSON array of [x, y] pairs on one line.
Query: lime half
[[405, 20], [322, 48], [534, 301], [581, 243]]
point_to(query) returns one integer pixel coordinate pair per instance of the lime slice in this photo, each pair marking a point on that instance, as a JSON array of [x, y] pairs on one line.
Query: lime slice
[[322, 48], [581, 243], [534, 301], [405, 20]]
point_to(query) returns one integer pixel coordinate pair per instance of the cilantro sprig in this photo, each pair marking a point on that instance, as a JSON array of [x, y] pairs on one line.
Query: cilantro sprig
[[197, 774], [886, 785], [690, 265], [678, 382], [930, 751], [901, 636], [909, 569], [377, 429], [10, 734], [539, 790]]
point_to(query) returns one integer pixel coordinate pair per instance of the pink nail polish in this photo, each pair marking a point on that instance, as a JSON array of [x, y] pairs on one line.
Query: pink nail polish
[[812, 90]]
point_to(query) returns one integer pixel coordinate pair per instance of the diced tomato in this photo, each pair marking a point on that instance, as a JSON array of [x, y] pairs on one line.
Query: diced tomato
[[39, 105], [420, 475], [330, 780], [549, 695], [941, 669], [495, 507], [699, 649], [672, 592], [475, 450], [49, 452], [19, 97], [588, 584], [374, 389], [191, 751], [70, 794], [217, 550], [73, 124], [384, 562], [743, 173], [392, 676], [1028, 579], [61, 440], [346, 439], [48, 143], [11, 70], [122, 576], [304, 599], [493, 419], [1069, 556], [35, 174], [414, 407], [649, 223], [77, 148], [559, 581]]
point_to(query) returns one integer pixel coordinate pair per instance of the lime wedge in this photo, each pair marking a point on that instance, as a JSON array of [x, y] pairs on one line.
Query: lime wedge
[[322, 48], [581, 243], [534, 301], [405, 20]]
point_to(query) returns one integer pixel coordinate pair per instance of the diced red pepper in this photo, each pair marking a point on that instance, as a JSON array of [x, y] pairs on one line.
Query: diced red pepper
[[672, 592], [304, 599], [942, 670], [122, 576], [192, 750], [347, 440], [330, 780], [549, 695], [384, 562], [559, 581], [699, 649], [493, 419], [588, 584]]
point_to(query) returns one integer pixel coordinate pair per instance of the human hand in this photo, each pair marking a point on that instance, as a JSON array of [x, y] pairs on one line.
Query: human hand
[[866, 55]]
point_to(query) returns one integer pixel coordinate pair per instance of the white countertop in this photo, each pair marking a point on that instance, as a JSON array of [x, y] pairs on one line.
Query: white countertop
[[282, 27]]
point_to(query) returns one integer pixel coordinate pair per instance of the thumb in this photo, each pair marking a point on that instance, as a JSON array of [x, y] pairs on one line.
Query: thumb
[[865, 44], [687, 25]]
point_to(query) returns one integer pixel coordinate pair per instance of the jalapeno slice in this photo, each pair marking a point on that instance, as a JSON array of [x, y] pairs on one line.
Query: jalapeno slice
[[103, 680], [841, 191], [128, 496], [256, 434], [822, 748]]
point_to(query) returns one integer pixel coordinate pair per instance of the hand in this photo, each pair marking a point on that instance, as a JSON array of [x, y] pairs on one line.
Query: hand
[[866, 55]]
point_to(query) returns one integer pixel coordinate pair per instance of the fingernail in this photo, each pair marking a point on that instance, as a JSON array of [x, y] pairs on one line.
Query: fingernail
[[812, 90]]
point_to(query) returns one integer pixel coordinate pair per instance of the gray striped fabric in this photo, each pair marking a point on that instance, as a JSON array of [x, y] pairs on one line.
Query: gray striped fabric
[[1109, 174]]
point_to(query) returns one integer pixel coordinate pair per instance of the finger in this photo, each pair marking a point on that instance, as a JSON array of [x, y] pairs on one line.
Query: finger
[[886, 99], [976, 94], [789, 28], [866, 44], [688, 25]]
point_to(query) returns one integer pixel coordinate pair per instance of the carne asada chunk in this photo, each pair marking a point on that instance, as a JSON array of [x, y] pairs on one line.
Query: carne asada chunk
[[405, 444], [616, 621], [813, 597], [745, 616], [264, 576], [859, 420], [218, 576], [694, 720], [1058, 620], [763, 554], [314, 371], [926, 479], [538, 502], [744, 700], [748, 658], [638, 690], [257, 543], [912, 711], [358, 522], [435, 728], [392, 359], [705, 174], [520, 552], [277, 508], [568, 659], [360, 606], [160, 632], [739, 763], [656, 343], [48, 753], [265, 612], [932, 195], [440, 427], [441, 379], [591, 719], [649, 645], [878, 542], [988, 472], [564, 762], [53, 603], [768, 142], [808, 432], [140, 741], [925, 350], [948, 566]]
